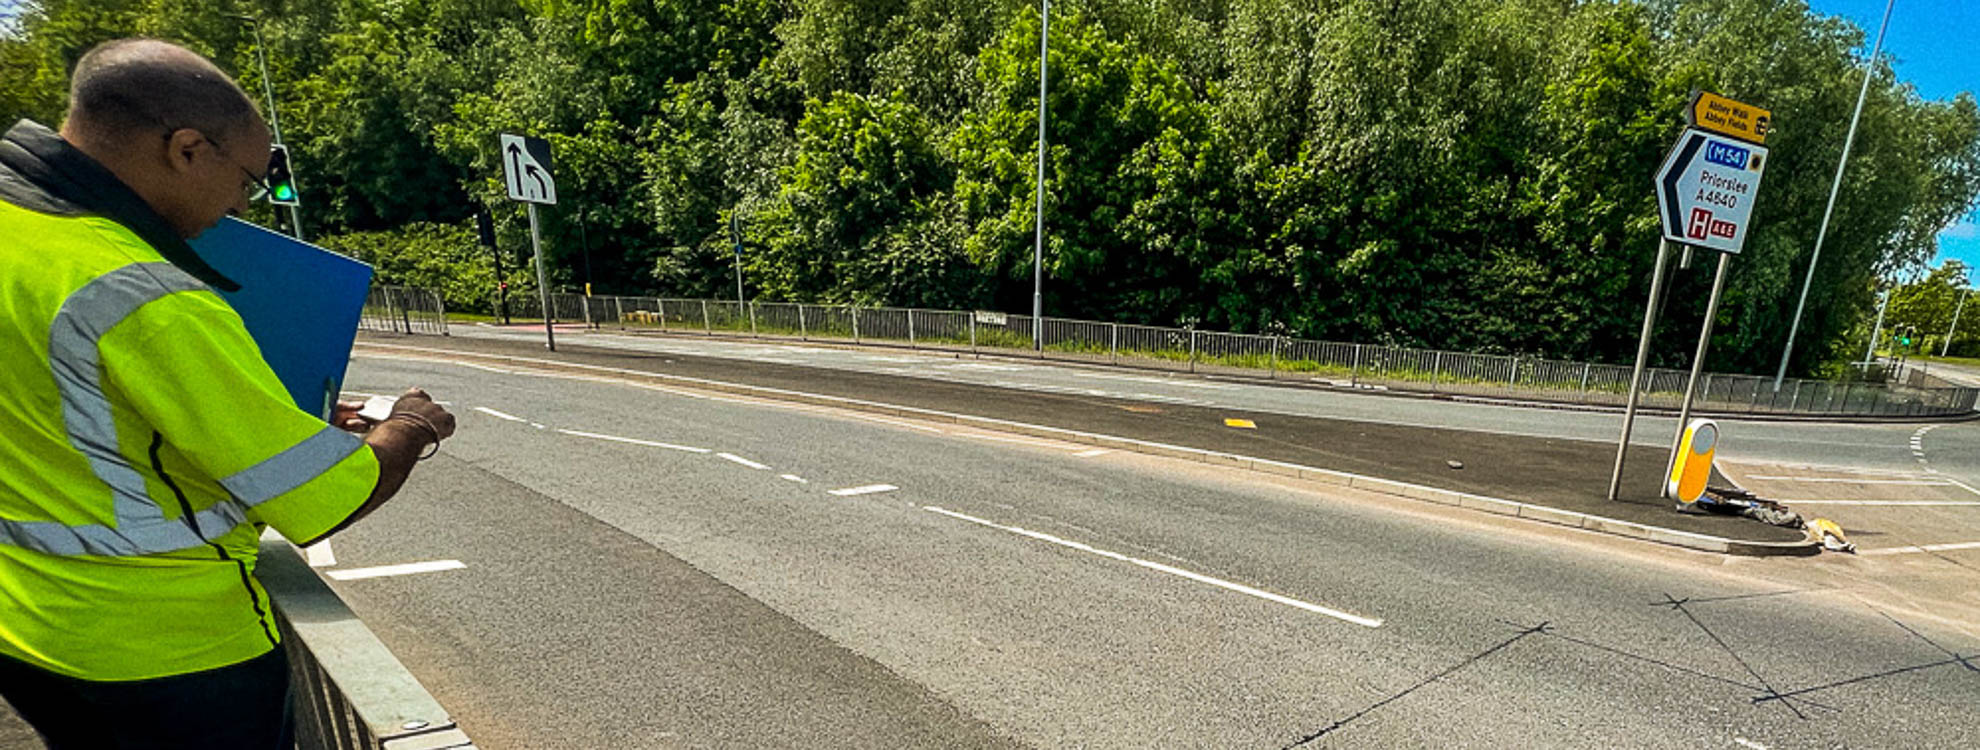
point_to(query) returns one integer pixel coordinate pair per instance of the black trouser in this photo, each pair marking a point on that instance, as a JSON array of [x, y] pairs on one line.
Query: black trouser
[[244, 706]]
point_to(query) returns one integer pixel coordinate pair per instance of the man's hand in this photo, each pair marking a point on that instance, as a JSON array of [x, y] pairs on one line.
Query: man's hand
[[419, 404], [346, 418]]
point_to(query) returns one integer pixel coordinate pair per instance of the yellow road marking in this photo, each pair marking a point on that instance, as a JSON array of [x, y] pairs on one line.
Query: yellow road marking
[[1244, 424]]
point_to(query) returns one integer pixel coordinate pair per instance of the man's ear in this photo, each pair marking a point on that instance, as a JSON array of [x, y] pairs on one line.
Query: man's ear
[[182, 149]]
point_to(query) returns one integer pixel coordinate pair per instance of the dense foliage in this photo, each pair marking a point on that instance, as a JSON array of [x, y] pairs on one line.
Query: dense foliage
[[1469, 174]]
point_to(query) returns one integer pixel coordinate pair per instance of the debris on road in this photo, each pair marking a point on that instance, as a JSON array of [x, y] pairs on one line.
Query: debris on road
[[1832, 536], [1454, 464]]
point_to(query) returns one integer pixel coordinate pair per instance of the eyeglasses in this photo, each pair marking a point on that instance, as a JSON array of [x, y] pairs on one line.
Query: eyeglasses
[[256, 187]]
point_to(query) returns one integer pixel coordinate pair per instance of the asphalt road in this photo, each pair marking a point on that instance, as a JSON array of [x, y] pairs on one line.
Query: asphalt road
[[1864, 446], [703, 587]]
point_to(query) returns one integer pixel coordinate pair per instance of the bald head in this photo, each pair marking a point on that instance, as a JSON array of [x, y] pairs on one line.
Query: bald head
[[128, 88], [171, 126]]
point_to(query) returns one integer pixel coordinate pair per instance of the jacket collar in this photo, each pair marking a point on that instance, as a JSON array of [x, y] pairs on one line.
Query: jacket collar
[[42, 172]]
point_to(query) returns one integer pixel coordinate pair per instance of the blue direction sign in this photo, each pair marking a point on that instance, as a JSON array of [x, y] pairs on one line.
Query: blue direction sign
[[1706, 190]]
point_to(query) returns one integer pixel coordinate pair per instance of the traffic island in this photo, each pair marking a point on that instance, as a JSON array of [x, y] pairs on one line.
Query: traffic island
[[1555, 481]]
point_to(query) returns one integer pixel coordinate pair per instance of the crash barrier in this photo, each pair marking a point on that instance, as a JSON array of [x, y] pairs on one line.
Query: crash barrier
[[398, 309], [350, 692]]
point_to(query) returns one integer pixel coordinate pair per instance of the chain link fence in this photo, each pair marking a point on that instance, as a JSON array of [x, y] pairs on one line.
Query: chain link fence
[[1487, 376]]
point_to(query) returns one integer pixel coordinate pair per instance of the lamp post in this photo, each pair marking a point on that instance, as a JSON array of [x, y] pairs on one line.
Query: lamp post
[[1038, 245], [1869, 71], [274, 121]]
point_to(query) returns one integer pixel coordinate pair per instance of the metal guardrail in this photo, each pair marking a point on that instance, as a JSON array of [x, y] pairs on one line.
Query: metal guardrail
[[350, 693], [397, 309], [1486, 376]]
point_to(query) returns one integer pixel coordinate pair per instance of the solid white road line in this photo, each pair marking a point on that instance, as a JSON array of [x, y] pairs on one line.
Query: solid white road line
[[1170, 569], [741, 460], [499, 415], [863, 490], [318, 555], [1921, 548], [1847, 480], [395, 570], [795, 478], [1878, 502], [635, 441]]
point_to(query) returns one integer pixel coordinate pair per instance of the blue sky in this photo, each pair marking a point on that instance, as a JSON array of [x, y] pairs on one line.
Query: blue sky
[[1937, 45]]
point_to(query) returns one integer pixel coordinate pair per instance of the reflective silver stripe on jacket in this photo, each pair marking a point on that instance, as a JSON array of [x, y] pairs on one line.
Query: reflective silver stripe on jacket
[[141, 527]]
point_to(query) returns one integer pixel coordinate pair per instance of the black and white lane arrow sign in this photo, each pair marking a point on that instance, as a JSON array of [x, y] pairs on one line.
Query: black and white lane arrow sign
[[526, 168], [1706, 190]]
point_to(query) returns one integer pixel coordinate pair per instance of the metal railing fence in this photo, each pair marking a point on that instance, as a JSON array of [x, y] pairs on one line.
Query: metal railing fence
[[349, 691], [397, 309], [1274, 357]]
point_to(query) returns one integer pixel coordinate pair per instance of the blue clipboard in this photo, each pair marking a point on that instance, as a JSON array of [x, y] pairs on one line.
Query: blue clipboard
[[300, 302]]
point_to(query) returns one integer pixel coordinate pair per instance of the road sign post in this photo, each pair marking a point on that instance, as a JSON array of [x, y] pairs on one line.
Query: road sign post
[[1636, 374], [1705, 193], [526, 172], [1697, 364]]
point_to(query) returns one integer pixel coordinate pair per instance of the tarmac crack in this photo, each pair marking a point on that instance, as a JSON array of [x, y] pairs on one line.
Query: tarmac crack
[[1473, 659], [1772, 694]]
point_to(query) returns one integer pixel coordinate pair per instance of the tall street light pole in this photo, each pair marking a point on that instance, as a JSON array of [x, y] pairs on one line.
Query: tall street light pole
[[1955, 324], [1869, 71], [1038, 246], [274, 120]]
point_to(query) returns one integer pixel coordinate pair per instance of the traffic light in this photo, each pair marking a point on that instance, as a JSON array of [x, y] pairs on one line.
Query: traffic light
[[1904, 335], [281, 180]]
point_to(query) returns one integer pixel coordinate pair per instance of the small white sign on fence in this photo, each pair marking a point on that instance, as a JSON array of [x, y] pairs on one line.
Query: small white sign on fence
[[992, 318]]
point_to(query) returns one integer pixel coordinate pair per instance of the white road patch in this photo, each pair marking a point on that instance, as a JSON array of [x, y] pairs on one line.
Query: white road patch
[[1092, 453], [318, 555], [1170, 569], [794, 478], [634, 441], [863, 490], [739, 459], [396, 570], [499, 415], [1922, 548], [1017, 440], [1848, 480], [1749, 744]]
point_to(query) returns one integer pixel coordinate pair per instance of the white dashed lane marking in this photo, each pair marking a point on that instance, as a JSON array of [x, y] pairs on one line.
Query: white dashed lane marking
[[863, 490], [1369, 622], [634, 441], [395, 570], [740, 460]]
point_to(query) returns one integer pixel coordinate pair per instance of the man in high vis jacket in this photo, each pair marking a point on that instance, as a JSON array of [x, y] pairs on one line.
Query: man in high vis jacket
[[144, 443]]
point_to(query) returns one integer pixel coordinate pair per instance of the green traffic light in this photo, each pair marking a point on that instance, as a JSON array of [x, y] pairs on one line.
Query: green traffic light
[[284, 193]]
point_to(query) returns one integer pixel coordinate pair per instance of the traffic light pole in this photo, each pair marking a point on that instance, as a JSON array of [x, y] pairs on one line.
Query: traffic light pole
[[275, 121], [542, 280]]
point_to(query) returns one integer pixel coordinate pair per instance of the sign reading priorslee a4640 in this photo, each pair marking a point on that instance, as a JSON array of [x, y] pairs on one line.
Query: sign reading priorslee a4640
[[1706, 190]]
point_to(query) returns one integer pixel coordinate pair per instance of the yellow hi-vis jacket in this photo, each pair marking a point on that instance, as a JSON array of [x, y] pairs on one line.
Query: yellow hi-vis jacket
[[144, 443]]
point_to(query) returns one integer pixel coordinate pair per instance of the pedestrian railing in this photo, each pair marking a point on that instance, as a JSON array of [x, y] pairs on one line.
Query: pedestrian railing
[[397, 309], [349, 691], [1369, 366]]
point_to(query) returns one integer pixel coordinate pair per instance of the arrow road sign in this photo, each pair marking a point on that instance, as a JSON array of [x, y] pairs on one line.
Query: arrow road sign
[[1706, 189], [526, 169]]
